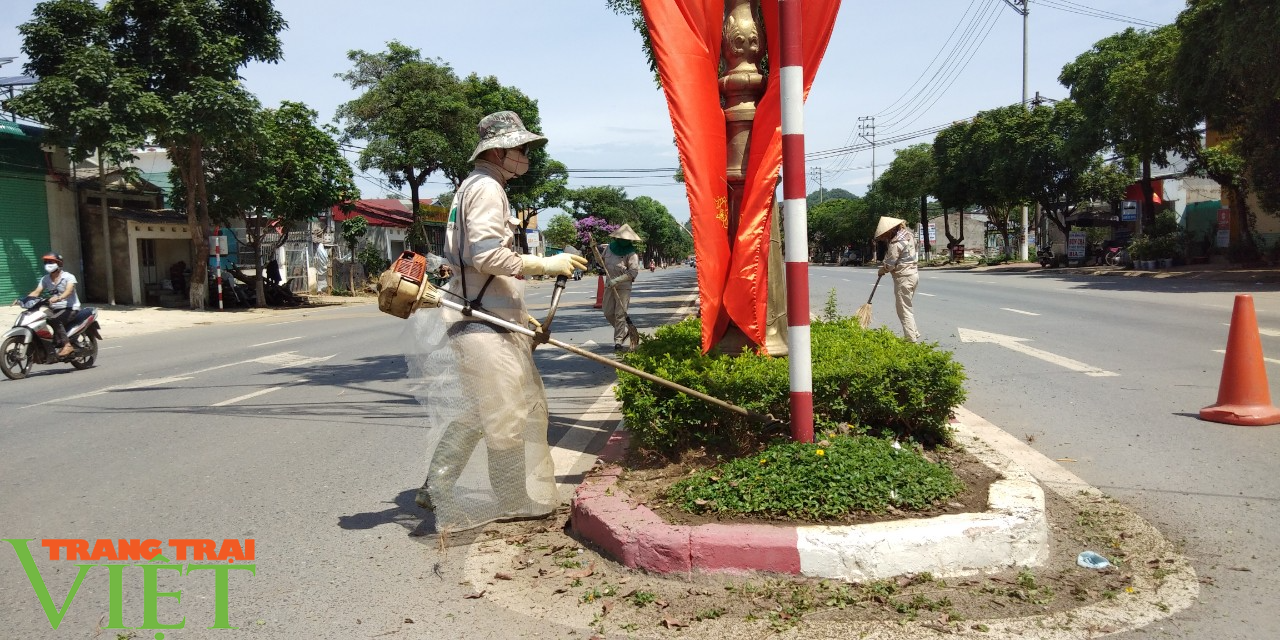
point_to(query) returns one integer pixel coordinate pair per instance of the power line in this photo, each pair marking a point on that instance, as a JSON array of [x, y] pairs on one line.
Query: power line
[[1085, 10]]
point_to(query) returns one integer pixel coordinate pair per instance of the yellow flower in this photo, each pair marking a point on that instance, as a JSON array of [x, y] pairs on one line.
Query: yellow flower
[[1129, 589], [763, 461], [821, 452]]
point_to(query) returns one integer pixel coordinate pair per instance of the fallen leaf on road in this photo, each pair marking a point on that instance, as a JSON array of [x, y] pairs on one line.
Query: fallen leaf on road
[[1240, 568], [501, 576], [607, 606], [672, 623], [591, 568], [662, 604], [1066, 459], [473, 596], [408, 620]]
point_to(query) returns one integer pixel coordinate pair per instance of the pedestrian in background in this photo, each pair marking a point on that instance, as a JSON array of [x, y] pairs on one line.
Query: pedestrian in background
[[621, 266], [900, 262]]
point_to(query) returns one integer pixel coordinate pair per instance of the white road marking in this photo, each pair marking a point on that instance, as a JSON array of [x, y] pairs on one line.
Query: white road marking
[[1271, 360], [279, 360], [931, 295], [1025, 313], [1016, 344], [263, 344], [568, 452], [260, 392], [1272, 333], [139, 384], [276, 324]]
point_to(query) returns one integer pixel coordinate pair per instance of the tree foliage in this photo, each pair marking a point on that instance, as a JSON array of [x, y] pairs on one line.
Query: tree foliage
[[412, 116], [285, 169], [560, 231], [1225, 73]]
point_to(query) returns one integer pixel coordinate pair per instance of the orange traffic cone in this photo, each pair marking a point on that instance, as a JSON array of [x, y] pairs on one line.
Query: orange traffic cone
[[599, 293], [1244, 398]]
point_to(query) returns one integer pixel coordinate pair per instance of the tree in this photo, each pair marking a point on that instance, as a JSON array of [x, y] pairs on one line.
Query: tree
[[1224, 73], [413, 118], [285, 170], [190, 53], [560, 231], [839, 223], [548, 192], [91, 99], [1123, 86], [952, 189], [822, 195], [912, 176], [606, 202], [353, 229]]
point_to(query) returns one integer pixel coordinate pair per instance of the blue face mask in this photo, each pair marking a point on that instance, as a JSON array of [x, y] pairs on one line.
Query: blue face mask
[[50, 267]]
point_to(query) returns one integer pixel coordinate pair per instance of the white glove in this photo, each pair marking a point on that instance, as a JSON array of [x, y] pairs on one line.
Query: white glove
[[561, 264], [610, 282]]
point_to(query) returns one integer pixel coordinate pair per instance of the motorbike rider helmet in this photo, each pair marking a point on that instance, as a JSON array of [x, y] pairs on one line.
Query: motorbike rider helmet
[[52, 257]]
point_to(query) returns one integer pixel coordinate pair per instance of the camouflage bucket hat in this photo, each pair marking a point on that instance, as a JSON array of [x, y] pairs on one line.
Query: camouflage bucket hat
[[504, 130]]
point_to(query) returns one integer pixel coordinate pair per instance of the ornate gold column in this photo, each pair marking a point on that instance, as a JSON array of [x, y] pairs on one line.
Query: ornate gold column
[[741, 86]]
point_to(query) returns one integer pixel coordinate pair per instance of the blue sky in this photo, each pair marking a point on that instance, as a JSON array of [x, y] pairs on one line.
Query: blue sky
[[599, 105]]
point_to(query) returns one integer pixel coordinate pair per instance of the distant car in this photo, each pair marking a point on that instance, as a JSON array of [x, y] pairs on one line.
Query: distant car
[[852, 259]]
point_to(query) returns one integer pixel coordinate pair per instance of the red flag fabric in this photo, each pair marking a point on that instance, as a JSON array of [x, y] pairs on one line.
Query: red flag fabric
[[686, 44], [746, 290], [686, 37]]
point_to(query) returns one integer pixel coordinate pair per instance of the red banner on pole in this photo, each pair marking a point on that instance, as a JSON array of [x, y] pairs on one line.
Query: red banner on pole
[[686, 37]]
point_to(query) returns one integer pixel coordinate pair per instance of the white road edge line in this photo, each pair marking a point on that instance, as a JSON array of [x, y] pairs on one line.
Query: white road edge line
[[931, 295], [260, 392], [1025, 313], [1272, 333]]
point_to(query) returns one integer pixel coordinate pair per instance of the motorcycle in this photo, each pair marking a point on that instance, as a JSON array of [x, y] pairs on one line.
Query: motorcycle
[[1047, 259], [30, 341]]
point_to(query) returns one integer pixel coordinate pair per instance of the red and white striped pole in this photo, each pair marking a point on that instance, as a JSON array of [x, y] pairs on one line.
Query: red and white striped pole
[[796, 229], [217, 261]]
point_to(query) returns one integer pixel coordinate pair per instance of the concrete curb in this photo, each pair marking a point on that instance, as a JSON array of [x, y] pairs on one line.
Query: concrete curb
[[1013, 532]]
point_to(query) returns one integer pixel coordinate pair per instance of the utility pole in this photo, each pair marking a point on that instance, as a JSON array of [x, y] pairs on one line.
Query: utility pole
[[1021, 6], [817, 171], [867, 131]]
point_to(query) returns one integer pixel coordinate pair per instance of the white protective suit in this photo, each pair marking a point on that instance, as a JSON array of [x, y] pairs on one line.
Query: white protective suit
[[900, 262], [478, 382], [622, 271]]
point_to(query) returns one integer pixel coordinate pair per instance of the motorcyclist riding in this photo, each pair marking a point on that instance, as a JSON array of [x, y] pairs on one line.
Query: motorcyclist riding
[[62, 300]]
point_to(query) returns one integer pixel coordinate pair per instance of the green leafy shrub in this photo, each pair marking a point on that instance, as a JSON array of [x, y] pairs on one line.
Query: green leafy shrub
[[817, 481], [870, 379]]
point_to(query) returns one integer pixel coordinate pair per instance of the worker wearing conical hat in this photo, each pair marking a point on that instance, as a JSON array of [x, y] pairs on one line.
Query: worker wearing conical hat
[[900, 262], [621, 266]]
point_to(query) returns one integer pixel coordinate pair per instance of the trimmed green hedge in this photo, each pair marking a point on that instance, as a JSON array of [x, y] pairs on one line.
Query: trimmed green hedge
[[870, 379]]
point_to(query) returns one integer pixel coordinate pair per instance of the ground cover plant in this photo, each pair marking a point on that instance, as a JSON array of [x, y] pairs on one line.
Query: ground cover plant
[[817, 481]]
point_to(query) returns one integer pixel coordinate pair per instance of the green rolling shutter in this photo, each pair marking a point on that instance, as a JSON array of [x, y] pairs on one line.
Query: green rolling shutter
[[24, 216]]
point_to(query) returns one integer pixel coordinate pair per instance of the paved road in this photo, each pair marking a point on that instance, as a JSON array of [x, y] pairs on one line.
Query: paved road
[[298, 431], [1133, 433]]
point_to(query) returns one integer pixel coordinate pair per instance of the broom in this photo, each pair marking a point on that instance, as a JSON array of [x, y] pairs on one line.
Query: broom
[[864, 312]]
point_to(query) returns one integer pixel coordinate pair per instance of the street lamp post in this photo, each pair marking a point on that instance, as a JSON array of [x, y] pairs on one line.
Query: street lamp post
[[1021, 6]]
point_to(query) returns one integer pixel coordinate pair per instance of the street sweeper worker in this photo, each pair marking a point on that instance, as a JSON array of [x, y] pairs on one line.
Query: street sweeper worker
[[621, 266], [477, 381], [900, 262]]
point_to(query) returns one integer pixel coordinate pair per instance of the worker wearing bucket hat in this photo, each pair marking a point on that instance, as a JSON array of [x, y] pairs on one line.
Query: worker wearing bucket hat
[[621, 266], [478, 382], [900, 261]]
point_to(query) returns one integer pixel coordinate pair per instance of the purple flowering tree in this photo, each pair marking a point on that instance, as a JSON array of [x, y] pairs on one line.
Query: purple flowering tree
[[593, 231]]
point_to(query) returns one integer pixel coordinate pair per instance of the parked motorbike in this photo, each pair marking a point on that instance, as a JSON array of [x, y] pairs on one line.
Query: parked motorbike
[[1046, 257], [30, 341]]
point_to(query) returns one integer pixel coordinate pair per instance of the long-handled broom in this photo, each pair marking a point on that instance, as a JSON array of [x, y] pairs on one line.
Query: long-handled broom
[[864, 312]]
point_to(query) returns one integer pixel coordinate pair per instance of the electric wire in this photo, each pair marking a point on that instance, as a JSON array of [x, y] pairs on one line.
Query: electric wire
[[954, 73], [1092, 12]]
